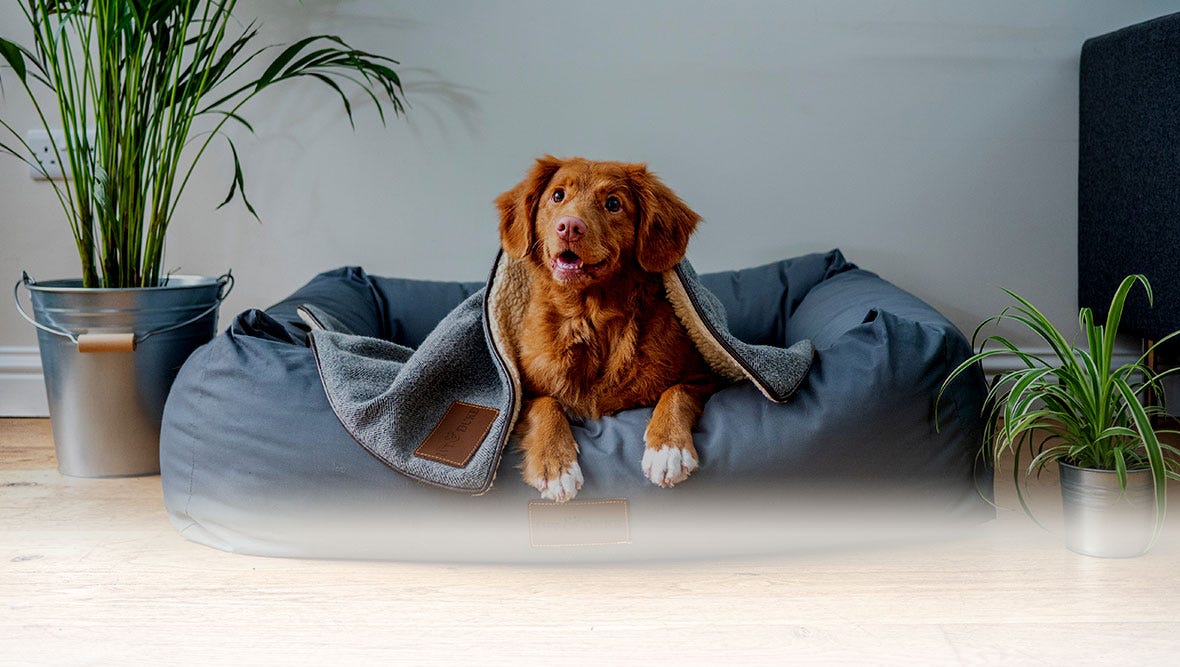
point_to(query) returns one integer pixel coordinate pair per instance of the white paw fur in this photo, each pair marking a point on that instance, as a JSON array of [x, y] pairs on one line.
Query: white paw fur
[[668, 465], [562, 488]]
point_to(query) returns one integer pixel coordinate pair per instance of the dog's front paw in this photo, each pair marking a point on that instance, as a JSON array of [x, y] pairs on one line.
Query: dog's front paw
[[667, 465], [558, 485]]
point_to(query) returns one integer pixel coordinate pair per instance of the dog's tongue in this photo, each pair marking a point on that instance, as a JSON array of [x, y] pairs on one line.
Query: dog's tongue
[[569, 261]]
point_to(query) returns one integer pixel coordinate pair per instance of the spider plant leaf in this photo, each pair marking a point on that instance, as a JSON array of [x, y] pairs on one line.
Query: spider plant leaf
[[1169, 448], [1041, 325], [964, 367], [1117, 432], [1030, 360], [1026, 390], [1090, 378], [1152, 348], [982, 325], [1115, 314], [1061, 398], [1120, 466], [1095, 335], [1031, 421], [1016, 475], [1155, 456], [1043, 329], [1046, 456]]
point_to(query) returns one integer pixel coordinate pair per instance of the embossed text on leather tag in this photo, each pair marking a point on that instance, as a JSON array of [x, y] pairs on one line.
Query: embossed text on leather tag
[[579, 523], [458, 434]]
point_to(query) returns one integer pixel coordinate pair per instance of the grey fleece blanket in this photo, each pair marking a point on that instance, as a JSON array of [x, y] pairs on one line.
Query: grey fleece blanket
[[443, 413]]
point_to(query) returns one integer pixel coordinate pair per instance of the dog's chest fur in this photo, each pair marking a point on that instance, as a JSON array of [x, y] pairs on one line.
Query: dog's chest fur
[[602, 351]]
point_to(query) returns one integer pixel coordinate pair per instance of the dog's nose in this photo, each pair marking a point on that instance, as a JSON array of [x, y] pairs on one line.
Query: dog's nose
[[570, 228]]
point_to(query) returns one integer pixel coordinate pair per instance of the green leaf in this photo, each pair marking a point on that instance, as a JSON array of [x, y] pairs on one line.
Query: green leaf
[[1120, 467], [238, 184], [23, 156], [276, 66], [1116, 432], [14, 57], [200, 76], [1115, 314], [1156, 344], [138, 72], [343, 98], [1016, 470], [1155, 454], [232, 116], [1048, 455]]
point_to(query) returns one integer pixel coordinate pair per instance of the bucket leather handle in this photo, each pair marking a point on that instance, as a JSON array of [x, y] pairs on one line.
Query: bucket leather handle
[[117, 342], [106, 342]]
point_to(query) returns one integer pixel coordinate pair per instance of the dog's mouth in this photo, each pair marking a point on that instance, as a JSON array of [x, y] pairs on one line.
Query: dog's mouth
[[568, 266]]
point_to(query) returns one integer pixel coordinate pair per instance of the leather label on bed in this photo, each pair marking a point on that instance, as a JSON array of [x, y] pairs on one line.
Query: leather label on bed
[[458, 434], [579, 523]]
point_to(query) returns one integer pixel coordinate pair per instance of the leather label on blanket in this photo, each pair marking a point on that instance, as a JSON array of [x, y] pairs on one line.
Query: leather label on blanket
[[458, 434], [579, 523]]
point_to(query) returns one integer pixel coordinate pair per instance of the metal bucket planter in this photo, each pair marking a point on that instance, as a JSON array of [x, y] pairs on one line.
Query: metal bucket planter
[[1102, 520], [109, 357]]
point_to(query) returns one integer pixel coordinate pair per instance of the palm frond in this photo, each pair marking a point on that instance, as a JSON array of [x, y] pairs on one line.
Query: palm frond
[[129, 80]]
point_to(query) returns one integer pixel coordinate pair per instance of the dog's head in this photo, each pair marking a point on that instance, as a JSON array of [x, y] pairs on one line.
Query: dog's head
[[585, 221]]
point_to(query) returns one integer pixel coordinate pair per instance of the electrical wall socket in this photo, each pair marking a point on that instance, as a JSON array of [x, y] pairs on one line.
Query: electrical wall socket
[[43, 153]]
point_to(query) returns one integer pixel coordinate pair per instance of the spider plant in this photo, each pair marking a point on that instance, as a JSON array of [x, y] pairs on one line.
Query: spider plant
[[131, 79], [1071, 405]]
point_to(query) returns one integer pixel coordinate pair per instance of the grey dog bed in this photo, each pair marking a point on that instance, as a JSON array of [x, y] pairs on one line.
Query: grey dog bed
[[254, 460]]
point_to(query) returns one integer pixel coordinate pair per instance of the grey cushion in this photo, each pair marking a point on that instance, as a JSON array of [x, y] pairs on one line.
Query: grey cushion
[[253, 459]]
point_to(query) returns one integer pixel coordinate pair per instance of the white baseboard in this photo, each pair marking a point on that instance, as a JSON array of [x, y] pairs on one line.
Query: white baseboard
[[22, 386]]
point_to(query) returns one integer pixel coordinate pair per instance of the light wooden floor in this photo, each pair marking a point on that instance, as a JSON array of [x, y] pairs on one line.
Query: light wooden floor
[[92, 573]]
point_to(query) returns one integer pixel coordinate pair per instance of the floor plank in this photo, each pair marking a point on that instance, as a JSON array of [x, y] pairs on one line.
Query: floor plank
[[26, 444]]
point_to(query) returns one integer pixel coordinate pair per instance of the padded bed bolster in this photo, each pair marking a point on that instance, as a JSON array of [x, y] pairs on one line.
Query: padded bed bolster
[[254, 461]]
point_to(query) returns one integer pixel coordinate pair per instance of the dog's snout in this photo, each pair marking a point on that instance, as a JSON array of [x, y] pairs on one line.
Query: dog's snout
[[570, 228]]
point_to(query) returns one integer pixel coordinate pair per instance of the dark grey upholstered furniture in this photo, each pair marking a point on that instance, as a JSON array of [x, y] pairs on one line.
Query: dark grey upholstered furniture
[[254, 461], [1129, 172]]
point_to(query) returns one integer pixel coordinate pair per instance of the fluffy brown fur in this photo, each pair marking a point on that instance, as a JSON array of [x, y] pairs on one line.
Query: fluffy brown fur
[[599, 334]]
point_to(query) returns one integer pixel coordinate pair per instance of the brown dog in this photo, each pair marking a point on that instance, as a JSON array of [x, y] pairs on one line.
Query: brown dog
[[600, 335]]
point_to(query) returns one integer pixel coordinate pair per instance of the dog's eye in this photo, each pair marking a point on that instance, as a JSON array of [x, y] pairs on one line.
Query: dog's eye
[[558, 195], [613, 204]]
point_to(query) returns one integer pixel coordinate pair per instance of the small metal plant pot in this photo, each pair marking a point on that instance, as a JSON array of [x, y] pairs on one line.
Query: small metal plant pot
[[1101, 519], [109, 358]]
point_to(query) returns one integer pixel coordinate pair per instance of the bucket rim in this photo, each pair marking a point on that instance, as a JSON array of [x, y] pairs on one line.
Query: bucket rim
[[74, 285], [1084, 469]]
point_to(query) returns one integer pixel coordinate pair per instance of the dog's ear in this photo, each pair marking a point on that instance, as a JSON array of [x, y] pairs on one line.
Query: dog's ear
[[665, 222], [518, 207]]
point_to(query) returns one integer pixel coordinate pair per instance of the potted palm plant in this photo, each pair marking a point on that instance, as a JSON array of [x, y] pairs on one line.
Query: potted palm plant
[[140, 90], [1070, 406]]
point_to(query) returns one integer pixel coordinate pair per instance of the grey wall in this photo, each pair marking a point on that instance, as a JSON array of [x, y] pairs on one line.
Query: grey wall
[[934, 142]]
